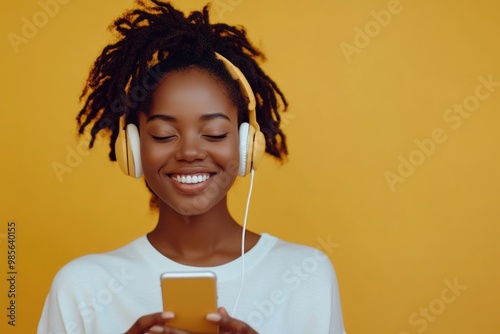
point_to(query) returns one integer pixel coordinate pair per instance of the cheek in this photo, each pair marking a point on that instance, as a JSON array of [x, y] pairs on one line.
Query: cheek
[[152, 156], [228, 157]]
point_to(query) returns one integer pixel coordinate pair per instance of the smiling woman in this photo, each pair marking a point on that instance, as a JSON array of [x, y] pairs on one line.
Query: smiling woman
[[203, 114]]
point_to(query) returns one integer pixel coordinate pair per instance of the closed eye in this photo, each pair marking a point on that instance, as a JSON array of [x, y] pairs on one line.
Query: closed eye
[[162, 139], [216, 137]]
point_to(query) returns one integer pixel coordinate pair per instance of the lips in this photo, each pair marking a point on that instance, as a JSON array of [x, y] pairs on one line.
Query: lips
[[190, 178], [191, 182]]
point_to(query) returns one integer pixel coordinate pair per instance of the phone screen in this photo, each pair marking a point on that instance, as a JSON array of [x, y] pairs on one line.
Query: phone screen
[[190, 296]]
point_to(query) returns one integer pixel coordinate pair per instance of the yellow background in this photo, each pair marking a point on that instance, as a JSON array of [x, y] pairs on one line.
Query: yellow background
[[352, 118]]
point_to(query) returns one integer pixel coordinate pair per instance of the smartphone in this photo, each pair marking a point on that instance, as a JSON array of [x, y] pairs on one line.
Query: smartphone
[[191, 296]]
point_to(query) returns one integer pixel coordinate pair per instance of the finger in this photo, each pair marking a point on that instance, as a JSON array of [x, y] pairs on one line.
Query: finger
[[156, 329], [143, 324], [165, 330], [228, 323], [223, 311]]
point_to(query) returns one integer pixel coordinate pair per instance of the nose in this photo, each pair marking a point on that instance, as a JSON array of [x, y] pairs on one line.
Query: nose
[[190, 149]]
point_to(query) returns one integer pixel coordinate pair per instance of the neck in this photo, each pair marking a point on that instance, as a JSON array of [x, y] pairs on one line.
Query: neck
[[195, 239]]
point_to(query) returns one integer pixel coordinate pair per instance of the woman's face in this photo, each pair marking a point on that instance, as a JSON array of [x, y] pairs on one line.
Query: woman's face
[[189, 142]]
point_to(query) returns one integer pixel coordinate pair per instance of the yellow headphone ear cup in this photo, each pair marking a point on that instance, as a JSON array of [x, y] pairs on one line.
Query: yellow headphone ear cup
[[259, 147], [128, 150], [134, 151], [121, 150], [251, 136], [252, 147]]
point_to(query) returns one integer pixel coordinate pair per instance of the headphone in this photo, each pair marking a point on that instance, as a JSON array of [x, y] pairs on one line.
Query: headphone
[[251, 139]]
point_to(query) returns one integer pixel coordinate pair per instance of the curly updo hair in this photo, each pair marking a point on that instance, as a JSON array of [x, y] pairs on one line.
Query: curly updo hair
[[155, 39]]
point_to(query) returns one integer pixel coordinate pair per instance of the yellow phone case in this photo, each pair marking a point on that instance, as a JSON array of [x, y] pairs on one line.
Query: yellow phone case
[[190, 296]]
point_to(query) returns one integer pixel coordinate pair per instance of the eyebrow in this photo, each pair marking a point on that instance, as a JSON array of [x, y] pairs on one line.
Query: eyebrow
[[162, 117], [209, 117], [205, 117]]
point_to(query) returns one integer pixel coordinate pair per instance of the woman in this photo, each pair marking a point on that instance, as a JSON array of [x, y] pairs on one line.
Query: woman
[[187, 86]]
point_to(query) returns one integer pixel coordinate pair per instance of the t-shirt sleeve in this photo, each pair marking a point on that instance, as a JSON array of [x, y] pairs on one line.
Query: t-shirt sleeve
[[61, 314], [314, 300], [323, 290], [336, 319]]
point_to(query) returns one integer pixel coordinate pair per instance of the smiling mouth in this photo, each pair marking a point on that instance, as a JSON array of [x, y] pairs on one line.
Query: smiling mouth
[[190, 178]]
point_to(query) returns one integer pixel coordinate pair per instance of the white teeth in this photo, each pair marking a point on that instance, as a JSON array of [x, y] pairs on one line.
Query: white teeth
[[190, 179]]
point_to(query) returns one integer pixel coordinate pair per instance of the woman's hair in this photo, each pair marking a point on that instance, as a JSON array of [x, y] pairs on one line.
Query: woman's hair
[[156, 39]]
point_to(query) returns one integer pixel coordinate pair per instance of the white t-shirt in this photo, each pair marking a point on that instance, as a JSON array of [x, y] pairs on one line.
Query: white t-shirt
[[288, 288]]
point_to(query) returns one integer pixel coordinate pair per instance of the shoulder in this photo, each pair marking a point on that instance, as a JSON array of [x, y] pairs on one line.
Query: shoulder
[[292, 256], [95, 267], [287, 249], [305, 278]]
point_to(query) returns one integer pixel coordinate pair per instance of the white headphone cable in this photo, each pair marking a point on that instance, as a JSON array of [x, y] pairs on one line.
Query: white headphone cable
[[243, 242]]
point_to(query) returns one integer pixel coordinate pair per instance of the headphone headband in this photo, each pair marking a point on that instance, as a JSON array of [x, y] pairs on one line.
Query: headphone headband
[[245, 88]]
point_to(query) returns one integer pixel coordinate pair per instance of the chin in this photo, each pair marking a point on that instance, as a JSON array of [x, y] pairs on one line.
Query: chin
[[194, 206]]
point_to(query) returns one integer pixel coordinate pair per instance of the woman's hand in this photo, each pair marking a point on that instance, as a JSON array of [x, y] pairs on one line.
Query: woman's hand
[[155, 323], [228, 325]]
